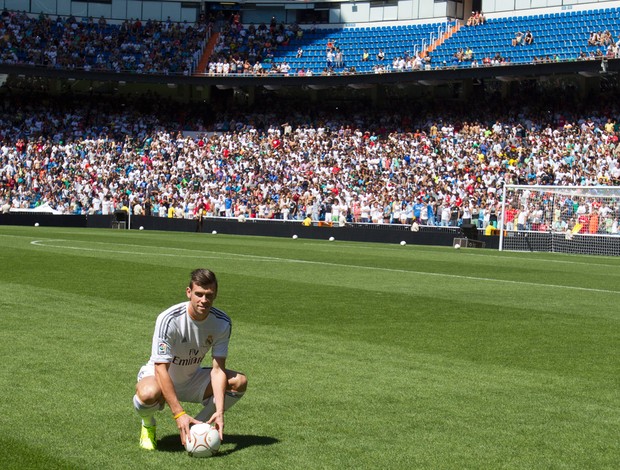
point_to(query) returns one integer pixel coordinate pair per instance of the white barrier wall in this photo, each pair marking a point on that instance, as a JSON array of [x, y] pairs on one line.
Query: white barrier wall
[[543, 6], [114, 9], [345, 12]]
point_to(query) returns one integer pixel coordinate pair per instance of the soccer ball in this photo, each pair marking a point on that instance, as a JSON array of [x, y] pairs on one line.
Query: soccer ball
[[294, 237], [331, 239], [214, 232], [141, 227], [457, 247], [403, 243], [36, 224], [241, 218], [204, 441]]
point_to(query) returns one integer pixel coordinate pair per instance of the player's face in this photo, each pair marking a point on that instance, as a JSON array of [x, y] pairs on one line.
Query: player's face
[[200, 300]]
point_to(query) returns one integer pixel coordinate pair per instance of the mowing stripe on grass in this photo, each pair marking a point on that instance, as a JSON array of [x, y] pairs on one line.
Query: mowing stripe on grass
[[220, 255]]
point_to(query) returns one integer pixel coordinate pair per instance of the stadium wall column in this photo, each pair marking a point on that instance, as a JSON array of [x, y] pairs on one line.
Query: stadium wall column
[[589, 86], [377, 95], [506, 90], [201, 92], [467, 88], [250, 95], [242, 96], [468, 6], [312, 95]]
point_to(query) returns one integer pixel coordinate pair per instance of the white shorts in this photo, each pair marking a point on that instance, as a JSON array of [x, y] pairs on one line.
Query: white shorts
[[192, 391]]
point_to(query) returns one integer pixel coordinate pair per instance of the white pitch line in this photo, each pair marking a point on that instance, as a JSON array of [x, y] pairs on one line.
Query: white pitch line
[[121, 252], [376, 247], [323, 263]]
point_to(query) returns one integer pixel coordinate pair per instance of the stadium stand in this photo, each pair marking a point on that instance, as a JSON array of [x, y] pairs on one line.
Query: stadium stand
[[163, 47], [556, 37], [427, 162], [152, 47], [397, 42], [95, 154]]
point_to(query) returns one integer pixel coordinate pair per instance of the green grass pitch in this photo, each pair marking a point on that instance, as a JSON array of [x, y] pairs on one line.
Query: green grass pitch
[[358, 355]]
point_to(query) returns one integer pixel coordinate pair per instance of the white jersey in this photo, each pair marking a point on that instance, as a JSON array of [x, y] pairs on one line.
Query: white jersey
[[183, 342]]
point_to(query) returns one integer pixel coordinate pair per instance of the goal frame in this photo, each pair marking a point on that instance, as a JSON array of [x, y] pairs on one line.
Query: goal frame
[[568, 241]]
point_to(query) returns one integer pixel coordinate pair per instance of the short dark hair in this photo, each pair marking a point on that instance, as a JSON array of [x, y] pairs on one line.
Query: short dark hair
[[203, 277]]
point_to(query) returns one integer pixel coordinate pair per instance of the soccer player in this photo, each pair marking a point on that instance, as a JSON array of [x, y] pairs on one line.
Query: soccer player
[[184, 334]]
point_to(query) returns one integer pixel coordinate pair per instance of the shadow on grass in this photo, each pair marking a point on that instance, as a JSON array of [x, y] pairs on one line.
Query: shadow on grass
[[172, 443]]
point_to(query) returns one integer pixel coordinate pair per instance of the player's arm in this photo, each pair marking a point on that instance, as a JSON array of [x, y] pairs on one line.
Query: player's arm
[[170, 395], [219, 381]]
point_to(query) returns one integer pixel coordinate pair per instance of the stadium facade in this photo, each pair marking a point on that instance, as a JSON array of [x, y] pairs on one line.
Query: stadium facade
[[332, 12]]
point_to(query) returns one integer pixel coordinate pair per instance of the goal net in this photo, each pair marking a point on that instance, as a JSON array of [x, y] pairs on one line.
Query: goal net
[[563, 219]]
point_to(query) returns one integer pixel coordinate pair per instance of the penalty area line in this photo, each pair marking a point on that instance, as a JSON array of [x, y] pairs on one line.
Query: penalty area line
[[196, 253]]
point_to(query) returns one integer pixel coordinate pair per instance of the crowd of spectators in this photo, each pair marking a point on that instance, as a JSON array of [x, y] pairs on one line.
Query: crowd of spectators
[[154, 47], [253, 50], [461, 55], [607, 47], [167, 47], [475, 19], [523, 39], [600, 38], [436, 165], [252, 46]]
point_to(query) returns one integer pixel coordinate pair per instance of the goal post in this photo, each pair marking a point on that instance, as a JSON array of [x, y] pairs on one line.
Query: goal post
[[562, 219]]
